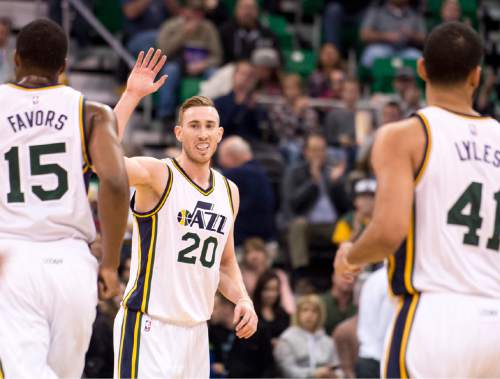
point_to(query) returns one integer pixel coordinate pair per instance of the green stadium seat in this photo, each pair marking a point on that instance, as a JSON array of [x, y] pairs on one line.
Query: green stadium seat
[[279, 26], [109, 12], [384, 71], [189, 87], [302, 62]]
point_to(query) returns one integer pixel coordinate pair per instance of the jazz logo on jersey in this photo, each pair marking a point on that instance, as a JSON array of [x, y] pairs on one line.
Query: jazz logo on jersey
[[203, 217]]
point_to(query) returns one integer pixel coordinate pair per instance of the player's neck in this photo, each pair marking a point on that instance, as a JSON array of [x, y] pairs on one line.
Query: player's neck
[[33, 80], [455, 99], [197, 172]]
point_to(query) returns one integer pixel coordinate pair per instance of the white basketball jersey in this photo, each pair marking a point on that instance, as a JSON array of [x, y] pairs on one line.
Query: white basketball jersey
[[454, 240], [43, 193], [177, 248]]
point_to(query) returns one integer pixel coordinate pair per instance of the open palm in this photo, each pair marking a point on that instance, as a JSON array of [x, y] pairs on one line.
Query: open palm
[[141, 81]]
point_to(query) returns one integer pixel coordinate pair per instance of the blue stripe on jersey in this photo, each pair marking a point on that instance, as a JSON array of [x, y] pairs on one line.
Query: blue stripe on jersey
[[401, 264], [395, 365], [128, 358], [138, 298]]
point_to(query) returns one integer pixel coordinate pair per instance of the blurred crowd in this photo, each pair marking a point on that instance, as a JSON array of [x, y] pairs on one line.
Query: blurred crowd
[[297, 143]]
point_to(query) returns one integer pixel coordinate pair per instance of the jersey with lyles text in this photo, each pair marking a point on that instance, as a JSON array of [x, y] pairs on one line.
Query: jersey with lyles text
[[454, 240]]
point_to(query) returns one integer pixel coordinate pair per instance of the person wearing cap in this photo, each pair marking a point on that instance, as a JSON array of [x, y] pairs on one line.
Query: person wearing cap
[[193, 47], [242, 35], [352, 223]]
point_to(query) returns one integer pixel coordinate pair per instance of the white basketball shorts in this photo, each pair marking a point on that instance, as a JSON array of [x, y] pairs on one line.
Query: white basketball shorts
[[48, 299], [444, 335], [150, 348]]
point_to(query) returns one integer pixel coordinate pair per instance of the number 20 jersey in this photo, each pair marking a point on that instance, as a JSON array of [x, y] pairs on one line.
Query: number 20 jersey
[[43, 165], [453, 244], [177, 249]]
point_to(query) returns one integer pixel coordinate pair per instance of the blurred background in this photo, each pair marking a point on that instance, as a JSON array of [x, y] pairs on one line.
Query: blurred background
[[301, 87]]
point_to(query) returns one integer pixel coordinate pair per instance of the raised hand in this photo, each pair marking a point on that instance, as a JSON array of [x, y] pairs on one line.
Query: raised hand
[[141, 81]]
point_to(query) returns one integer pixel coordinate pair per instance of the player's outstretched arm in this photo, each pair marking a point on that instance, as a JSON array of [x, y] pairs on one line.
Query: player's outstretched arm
[[398, 149], [231, 282], [140, 83], [109, 165]]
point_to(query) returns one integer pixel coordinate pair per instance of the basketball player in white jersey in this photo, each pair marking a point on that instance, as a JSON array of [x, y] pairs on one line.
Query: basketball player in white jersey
[[183, 245], [437, 220], [50, 140]]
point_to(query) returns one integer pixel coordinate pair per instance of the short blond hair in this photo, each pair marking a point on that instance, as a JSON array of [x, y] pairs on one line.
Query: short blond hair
[[318, 304], [194, 101]]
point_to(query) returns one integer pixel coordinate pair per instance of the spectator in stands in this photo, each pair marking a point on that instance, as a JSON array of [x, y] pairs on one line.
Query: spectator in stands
[[341, 321], [142, 20], [216, 11], [340, 15], [256, 212], [391, 112], [407, 91], [375, 313], [242, 35], [193, 47], [313, 198], [485, 101], [451, 11], [353, 223], [221, 336], [293, 119], [338, 301], [237, 110], [393, 29], [267, 302], [319, 80], [304, 350], [253, 358], [267, 64], [348, 127], [6, 51], [257, 260], [79, 27]]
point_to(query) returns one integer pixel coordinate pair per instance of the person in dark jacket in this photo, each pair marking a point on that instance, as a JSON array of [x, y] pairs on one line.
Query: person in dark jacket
[[314, 197], [241, 36], [256, 212], [237, 111]]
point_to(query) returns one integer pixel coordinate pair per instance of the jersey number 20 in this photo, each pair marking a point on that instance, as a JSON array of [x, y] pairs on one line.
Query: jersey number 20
[[37, 168], [473, 221], [207, 256]]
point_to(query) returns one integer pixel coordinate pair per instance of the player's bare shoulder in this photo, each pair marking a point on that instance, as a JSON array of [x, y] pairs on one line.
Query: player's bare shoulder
[[405, 138]]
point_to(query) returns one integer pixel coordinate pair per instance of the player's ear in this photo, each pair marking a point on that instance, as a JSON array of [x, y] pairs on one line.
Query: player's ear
[[421, 71], [17, 59], [220, 133], [475, 77], [178, 132]]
